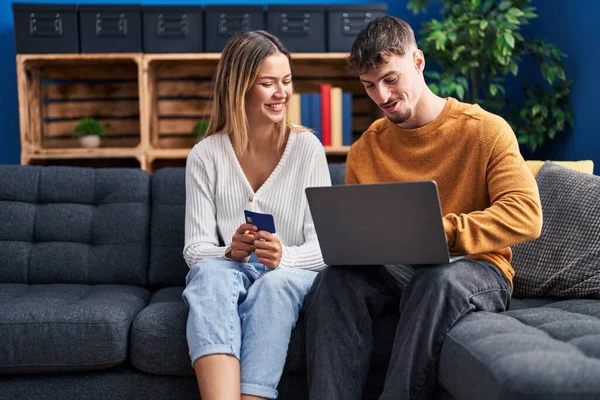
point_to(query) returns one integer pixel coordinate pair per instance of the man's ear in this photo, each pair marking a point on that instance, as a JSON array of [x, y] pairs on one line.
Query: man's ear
[[419, 60]]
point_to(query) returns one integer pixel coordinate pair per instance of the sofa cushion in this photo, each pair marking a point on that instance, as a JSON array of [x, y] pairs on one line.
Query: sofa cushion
[[158, 339], [564, 261], [338, 173], [73, 225], [531, 302], [159, 344], [119, 383], [546, 352], [167, 266], [66, 327], [586, 166]]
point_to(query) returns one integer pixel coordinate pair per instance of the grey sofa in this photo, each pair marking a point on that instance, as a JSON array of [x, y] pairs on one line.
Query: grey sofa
[[91, 276]]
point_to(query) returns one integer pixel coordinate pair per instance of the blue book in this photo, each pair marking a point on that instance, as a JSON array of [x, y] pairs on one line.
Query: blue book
[[315, 114], [305, 116], [347, 119]]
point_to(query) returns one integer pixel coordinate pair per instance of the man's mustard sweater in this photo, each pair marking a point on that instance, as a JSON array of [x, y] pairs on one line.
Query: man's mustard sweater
[[489, 197]]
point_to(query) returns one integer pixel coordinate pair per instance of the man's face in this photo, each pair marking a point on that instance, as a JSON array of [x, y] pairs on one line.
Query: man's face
[[396, 86]]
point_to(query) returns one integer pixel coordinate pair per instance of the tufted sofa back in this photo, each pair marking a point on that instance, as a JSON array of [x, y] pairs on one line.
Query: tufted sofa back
[[74, 225]]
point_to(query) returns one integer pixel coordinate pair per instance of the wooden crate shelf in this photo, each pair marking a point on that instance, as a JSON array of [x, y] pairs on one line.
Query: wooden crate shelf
[[101, 157], [178, 89], [183, 153], [148, 103], [158, 158], [57, 90], [101, 152]]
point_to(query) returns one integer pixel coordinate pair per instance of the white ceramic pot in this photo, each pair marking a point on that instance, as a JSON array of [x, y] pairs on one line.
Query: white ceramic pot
[[90, 141]]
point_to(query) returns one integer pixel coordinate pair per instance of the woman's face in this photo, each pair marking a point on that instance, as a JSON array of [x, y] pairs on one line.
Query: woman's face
[[268, 96]]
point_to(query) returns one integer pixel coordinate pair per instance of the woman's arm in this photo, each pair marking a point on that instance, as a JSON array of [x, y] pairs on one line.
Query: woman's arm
[[308, 255], [201, 237]]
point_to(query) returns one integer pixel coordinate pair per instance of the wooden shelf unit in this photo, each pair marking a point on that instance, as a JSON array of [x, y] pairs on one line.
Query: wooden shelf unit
[[56, 90], [148, 103], [178, 89]]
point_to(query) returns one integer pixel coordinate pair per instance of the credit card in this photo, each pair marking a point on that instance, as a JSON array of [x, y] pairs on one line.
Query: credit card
[[264, 222]]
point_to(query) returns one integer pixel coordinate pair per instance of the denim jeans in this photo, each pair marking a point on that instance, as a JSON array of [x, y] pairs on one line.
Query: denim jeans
[[247, 311], [344, 301]]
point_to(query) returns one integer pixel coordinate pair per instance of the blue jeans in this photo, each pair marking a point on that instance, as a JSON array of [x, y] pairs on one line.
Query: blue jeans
[[247, 311], [344, 302]]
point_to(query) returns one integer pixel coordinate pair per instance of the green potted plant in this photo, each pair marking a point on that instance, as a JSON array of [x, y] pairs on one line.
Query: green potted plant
[[200, 129], [89, 131], [478, 44]]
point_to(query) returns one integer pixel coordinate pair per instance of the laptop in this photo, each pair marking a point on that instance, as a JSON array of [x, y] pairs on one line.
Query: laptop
[[382, 223]]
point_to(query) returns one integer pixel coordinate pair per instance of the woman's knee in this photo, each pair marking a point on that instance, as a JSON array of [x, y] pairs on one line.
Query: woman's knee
[[209, 268], [283, 283], [209, 276]]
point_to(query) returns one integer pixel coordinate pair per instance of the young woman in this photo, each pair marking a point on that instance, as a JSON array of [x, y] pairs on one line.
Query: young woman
[[245, 287]]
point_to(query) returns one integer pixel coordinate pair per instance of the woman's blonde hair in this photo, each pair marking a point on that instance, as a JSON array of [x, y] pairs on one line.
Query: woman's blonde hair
[[237, 70]]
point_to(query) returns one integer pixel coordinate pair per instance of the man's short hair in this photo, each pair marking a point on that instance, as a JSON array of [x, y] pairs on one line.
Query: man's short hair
[[380, 39]]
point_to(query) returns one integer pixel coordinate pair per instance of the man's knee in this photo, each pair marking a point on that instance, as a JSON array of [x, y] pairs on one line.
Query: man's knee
[[344, 285], [464, 276], [328, 284], [435, 276], [336, 280]]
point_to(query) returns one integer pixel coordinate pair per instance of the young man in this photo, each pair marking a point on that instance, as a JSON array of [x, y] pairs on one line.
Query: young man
[[489, 201]]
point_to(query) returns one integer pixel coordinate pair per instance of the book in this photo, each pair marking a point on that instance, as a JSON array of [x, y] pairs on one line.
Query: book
[[305, 110], [293, 109], [347, 136], [325, 90], [336, 116], [315, 114]]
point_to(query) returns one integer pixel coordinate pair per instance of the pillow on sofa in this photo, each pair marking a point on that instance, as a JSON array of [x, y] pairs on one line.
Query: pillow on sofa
[[583, 165], [565, 260]]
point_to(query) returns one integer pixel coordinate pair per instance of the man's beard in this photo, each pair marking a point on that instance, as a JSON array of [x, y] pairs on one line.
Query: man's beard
[[399, 118]]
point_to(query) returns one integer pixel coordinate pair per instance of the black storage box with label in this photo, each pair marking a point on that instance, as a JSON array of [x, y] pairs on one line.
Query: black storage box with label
[[345, 21], [301, 28], [221, 22], [110, 28], [173, 29], [46, 28]]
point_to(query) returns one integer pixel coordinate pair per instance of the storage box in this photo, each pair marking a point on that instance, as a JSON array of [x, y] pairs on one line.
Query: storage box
[[173, 29], [110, 28], [221, 22], [46, 28], [300, 28], [346, 21]]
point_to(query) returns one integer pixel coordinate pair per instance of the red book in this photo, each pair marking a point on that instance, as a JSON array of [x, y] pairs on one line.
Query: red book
[[326, 114]]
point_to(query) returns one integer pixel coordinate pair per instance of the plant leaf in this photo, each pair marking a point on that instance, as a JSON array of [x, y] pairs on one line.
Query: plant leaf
[[509, 39]]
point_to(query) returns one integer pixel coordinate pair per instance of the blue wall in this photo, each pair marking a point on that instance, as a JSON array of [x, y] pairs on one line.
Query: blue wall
[[570, 26], [10, 148], [573, 27]]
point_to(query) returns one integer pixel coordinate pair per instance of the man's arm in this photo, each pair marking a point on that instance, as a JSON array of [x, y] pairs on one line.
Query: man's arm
[[515, 213], [350, 177]]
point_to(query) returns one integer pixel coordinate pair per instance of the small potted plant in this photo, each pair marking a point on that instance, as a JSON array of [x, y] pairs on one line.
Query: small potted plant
[[200, 129], [89, 131]]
